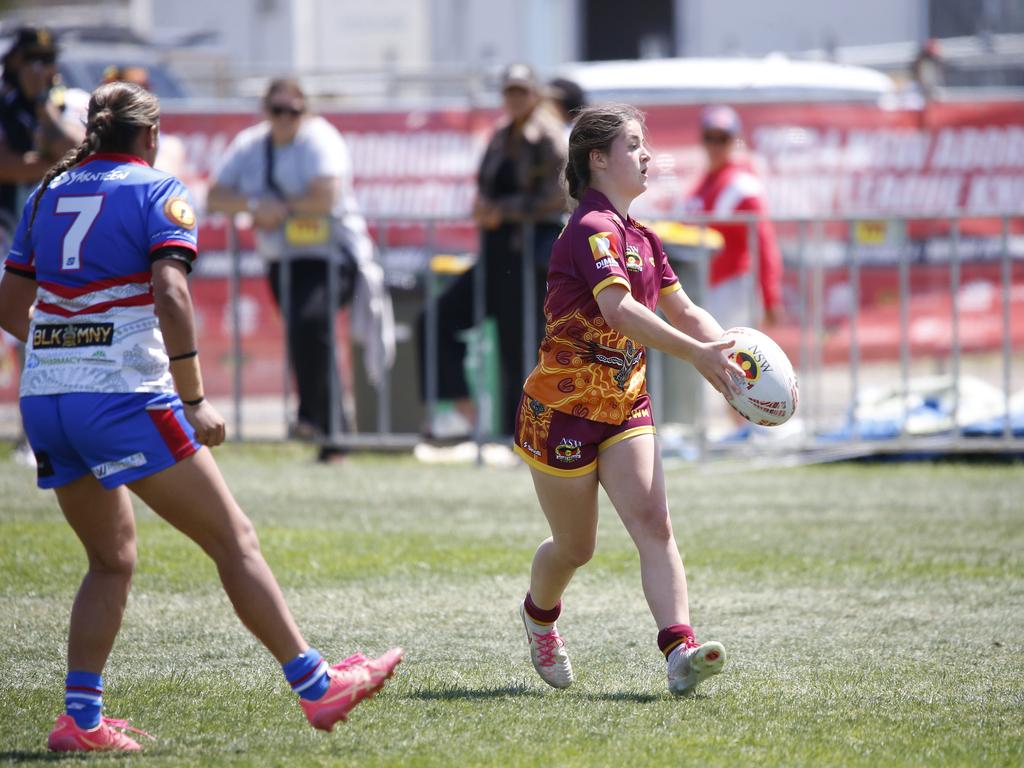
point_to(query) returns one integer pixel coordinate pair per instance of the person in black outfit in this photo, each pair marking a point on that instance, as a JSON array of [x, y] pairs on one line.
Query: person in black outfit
[[518, 181], [35, 127], [39, 122]]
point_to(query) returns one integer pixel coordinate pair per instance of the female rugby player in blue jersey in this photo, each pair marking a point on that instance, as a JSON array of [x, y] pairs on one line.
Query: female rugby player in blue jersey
[[585, 416], [112, 400]]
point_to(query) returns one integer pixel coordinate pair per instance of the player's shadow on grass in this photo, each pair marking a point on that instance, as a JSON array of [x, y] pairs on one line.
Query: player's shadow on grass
[[637, 698], [25, 756], [448, 693]]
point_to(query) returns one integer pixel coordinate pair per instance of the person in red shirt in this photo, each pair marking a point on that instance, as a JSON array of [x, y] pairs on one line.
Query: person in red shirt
[[731, 187], [584, 418]]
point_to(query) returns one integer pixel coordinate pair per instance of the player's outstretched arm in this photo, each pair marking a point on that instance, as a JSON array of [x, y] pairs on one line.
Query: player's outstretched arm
[[689, 318], [631, 318], [173, 304]]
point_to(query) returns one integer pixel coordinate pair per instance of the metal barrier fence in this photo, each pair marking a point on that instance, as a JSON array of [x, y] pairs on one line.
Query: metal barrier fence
[[817, 250], [825, 258]]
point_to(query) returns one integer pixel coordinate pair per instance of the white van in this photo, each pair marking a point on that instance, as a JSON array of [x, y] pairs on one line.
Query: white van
[[774, 78]]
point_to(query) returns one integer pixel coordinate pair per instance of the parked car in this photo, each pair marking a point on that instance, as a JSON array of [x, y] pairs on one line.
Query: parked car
[[86, 53]]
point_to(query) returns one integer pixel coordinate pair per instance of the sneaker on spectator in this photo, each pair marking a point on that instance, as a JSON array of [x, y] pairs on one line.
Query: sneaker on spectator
[[449, 425]]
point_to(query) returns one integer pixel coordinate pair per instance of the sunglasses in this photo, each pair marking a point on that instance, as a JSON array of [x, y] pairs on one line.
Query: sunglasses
[[716, 138], [41, 58], [277, 110]]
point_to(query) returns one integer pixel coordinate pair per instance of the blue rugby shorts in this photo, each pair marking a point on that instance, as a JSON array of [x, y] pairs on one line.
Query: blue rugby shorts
[[118, 437]]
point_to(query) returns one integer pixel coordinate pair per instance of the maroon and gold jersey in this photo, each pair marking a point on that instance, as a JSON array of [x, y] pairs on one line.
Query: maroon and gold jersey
[[586, 368]]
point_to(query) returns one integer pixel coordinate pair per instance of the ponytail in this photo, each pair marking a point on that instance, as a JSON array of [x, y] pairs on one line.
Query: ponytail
[[71, 158]]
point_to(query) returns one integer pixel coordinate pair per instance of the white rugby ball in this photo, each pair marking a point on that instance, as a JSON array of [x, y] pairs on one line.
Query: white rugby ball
[[768, 390]]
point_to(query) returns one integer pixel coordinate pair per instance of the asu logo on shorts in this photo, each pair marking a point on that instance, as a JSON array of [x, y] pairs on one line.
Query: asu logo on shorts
[[178, 210], [569, 450]]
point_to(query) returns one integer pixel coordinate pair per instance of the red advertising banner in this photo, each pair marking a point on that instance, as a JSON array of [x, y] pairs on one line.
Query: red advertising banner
[[817, 161]]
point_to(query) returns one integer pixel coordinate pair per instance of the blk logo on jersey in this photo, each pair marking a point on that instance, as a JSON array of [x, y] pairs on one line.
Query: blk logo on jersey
[[180, 212], [633, 261], [73, 335]]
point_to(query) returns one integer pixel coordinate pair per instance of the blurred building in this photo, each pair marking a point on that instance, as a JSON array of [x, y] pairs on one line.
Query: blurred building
[[354, 51]]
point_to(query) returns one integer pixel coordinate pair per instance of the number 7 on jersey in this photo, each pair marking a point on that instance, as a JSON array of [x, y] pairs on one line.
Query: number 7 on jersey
[[85, 209]]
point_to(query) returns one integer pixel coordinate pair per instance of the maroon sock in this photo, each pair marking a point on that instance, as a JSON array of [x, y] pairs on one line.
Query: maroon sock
[[673, 635], [540, 615]]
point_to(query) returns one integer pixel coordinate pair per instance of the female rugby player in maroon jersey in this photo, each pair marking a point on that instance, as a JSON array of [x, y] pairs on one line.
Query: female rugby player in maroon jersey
[[585, 416]]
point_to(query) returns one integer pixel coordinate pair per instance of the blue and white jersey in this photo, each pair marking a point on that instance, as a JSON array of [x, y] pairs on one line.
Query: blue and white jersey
[[94, 328]]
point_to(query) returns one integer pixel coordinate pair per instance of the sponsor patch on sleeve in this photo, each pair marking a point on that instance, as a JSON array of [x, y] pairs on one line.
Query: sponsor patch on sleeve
[[601, 246], [178, 210]]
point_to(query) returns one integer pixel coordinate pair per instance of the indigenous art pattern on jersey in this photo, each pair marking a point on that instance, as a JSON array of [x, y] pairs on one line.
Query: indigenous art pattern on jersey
[[586, 368], [591, 369]]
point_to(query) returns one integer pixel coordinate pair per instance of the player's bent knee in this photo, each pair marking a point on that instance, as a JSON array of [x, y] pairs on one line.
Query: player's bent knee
[[577, 555], [119, 562]]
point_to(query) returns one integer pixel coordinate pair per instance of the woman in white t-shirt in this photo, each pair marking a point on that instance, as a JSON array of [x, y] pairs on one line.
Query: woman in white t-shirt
[[292, 172]]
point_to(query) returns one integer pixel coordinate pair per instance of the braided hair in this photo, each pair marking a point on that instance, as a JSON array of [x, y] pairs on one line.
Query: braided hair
[[596, 128], [117, 112]]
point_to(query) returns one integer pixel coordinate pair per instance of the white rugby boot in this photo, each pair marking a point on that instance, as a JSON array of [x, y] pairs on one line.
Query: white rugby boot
[[690, 663], [547, 651]]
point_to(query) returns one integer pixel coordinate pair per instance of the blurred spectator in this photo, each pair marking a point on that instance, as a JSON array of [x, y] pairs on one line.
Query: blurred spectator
[[293, 173], [928, 69], [731, 187], [40, 120], [518, 181], [568, 99], [170, 155]]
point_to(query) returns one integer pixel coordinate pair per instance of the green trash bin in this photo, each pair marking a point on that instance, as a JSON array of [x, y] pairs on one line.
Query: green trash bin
[[483, 372]]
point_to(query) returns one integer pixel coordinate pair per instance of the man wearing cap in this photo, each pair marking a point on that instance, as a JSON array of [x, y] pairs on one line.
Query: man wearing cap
[[519, 180], [730, 187], [37, 117], [568, 98]]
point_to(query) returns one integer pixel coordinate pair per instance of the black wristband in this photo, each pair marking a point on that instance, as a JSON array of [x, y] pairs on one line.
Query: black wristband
[[197, 401], [184, 355]]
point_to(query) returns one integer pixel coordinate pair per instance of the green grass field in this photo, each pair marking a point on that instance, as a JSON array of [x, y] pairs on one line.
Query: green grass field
[[874, 615]]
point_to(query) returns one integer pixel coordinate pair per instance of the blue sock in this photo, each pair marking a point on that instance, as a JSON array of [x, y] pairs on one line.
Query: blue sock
[[83, 698], [307, 674]]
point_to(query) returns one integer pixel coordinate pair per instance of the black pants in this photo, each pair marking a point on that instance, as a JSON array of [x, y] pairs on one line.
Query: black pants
[[309, 341], [502, 264]]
